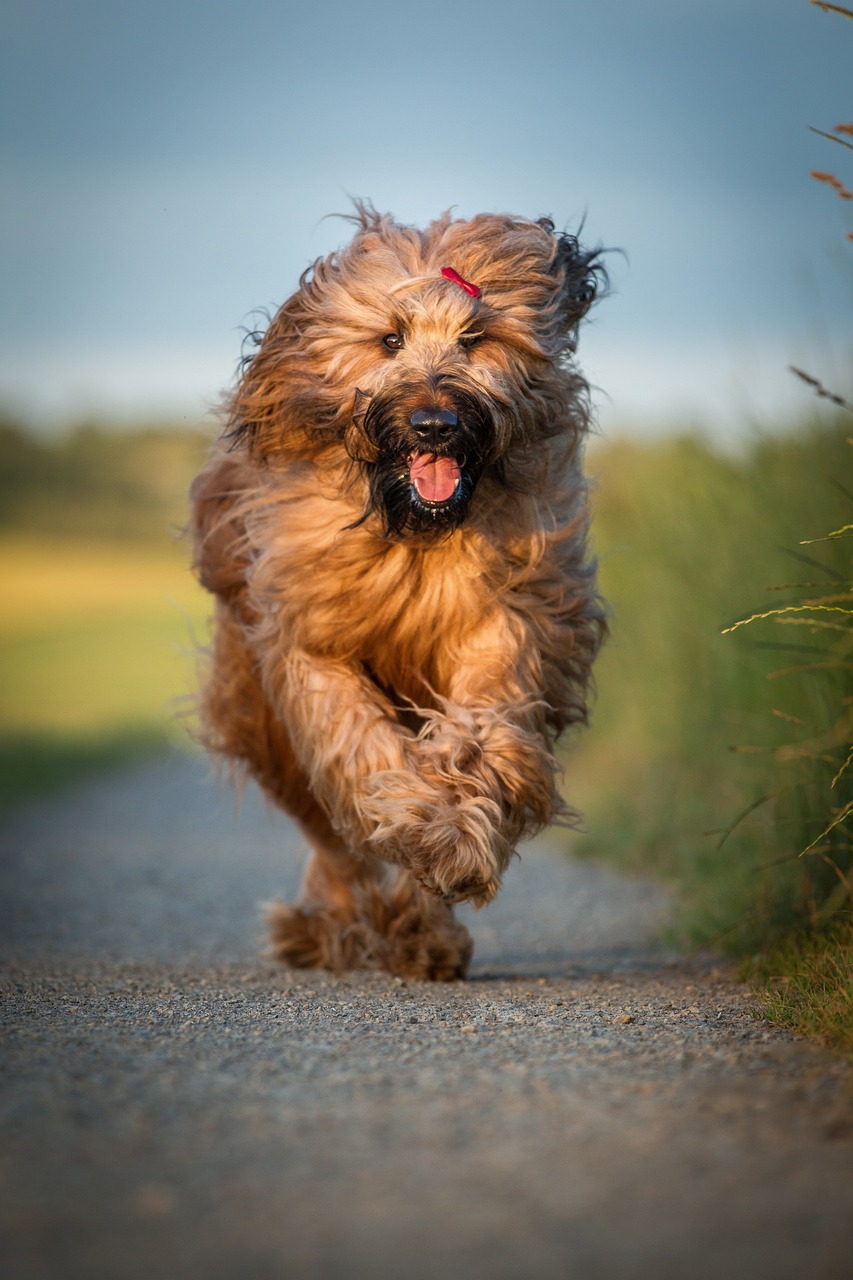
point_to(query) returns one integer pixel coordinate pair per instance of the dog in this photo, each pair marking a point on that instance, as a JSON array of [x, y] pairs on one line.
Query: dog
[[394, 528]]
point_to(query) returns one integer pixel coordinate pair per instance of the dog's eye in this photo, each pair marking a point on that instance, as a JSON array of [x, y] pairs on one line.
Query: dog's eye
[[393, 341], [469, 340]]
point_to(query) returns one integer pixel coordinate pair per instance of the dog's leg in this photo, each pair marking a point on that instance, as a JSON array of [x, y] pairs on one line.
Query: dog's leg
[[328, 928], [353, 915], [481, 777], [354, 911], [489, 737], [430, 803], [343, 731], [448, 804], [485, 768], [374, 779]]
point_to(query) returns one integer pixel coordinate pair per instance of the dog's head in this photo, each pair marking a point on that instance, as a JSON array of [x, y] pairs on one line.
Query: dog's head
[[431, 358]]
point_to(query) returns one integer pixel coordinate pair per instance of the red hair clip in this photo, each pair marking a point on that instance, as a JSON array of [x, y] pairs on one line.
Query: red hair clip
[[450, 274]]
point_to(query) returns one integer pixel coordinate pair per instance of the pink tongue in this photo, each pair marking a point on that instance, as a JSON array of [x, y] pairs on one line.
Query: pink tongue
[[434, 477]]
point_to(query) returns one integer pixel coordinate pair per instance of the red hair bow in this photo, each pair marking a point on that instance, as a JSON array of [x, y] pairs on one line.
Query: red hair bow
[[450, 274]]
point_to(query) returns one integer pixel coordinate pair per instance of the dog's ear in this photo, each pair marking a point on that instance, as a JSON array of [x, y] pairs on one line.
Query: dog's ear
[[276, 409], [580, 272]]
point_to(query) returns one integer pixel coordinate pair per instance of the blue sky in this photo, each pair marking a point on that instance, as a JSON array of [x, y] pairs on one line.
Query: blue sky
[[168, 167]]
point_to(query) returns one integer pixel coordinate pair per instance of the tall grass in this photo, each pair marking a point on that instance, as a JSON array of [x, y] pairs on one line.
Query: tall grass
[[811, 799], [688, 719], [808, 978], [712, 756], [722, 751]]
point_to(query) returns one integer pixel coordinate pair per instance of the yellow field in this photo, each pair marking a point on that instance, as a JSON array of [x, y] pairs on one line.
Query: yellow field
[[95, 636]]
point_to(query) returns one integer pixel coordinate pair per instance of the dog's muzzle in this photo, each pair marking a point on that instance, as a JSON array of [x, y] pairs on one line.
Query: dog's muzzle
[[434, 475], [427, 455]]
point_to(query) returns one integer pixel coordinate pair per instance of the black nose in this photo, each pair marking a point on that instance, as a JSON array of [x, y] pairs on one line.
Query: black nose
[[433, 423]]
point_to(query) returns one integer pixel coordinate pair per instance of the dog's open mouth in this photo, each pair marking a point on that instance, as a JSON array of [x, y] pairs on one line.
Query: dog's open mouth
[[434, 476]]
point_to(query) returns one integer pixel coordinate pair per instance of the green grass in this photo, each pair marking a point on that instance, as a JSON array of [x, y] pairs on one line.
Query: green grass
[[34, 765], [807, 986], [93, 482], [693, 728], [80, 675], [102, 620], [95, 636], [98, 658]]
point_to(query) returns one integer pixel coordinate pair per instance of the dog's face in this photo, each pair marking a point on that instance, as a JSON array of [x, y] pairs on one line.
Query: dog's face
[[429, 440], [431, 358]]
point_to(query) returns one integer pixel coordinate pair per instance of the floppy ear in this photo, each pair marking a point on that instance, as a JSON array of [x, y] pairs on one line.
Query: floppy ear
[[276, 408], [580, 271]]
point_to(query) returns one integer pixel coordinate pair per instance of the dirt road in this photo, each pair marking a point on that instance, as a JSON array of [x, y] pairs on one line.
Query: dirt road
[[587, 1105]]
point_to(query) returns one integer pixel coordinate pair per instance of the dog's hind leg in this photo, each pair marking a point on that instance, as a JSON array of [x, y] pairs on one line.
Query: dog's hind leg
[[352, 916]]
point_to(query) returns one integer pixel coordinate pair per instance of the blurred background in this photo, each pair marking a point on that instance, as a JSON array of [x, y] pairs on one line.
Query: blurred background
[[169, 168]]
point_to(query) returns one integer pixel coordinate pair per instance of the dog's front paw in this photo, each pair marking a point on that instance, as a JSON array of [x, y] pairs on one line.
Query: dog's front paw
[[451, 843], [442, 882], [462, 853], [482, 751]]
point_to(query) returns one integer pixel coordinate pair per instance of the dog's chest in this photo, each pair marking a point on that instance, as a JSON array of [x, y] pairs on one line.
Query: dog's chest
[[408, 614]]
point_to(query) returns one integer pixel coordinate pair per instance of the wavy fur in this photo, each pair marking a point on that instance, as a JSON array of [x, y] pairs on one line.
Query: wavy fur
[[394, 671]]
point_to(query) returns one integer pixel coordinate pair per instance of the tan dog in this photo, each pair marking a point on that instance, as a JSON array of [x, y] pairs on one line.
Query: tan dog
[[394, 528]]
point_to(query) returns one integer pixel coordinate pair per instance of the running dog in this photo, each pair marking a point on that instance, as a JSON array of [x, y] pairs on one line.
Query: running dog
[[393, 526]]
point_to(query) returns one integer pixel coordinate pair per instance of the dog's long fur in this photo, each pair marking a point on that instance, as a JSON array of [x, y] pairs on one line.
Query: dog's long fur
[[392, 668]]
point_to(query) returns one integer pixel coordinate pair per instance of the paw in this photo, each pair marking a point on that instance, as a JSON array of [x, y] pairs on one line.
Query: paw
[[473, 889], [396, 928], [424, 939], [452, 843], [461, 865], [484, 752]]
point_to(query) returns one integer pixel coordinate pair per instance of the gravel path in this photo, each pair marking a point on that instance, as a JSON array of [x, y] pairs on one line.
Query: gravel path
[[587, 1105]]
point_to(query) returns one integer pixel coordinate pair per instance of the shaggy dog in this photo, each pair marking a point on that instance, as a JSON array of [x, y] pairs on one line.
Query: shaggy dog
[[393, 526]]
